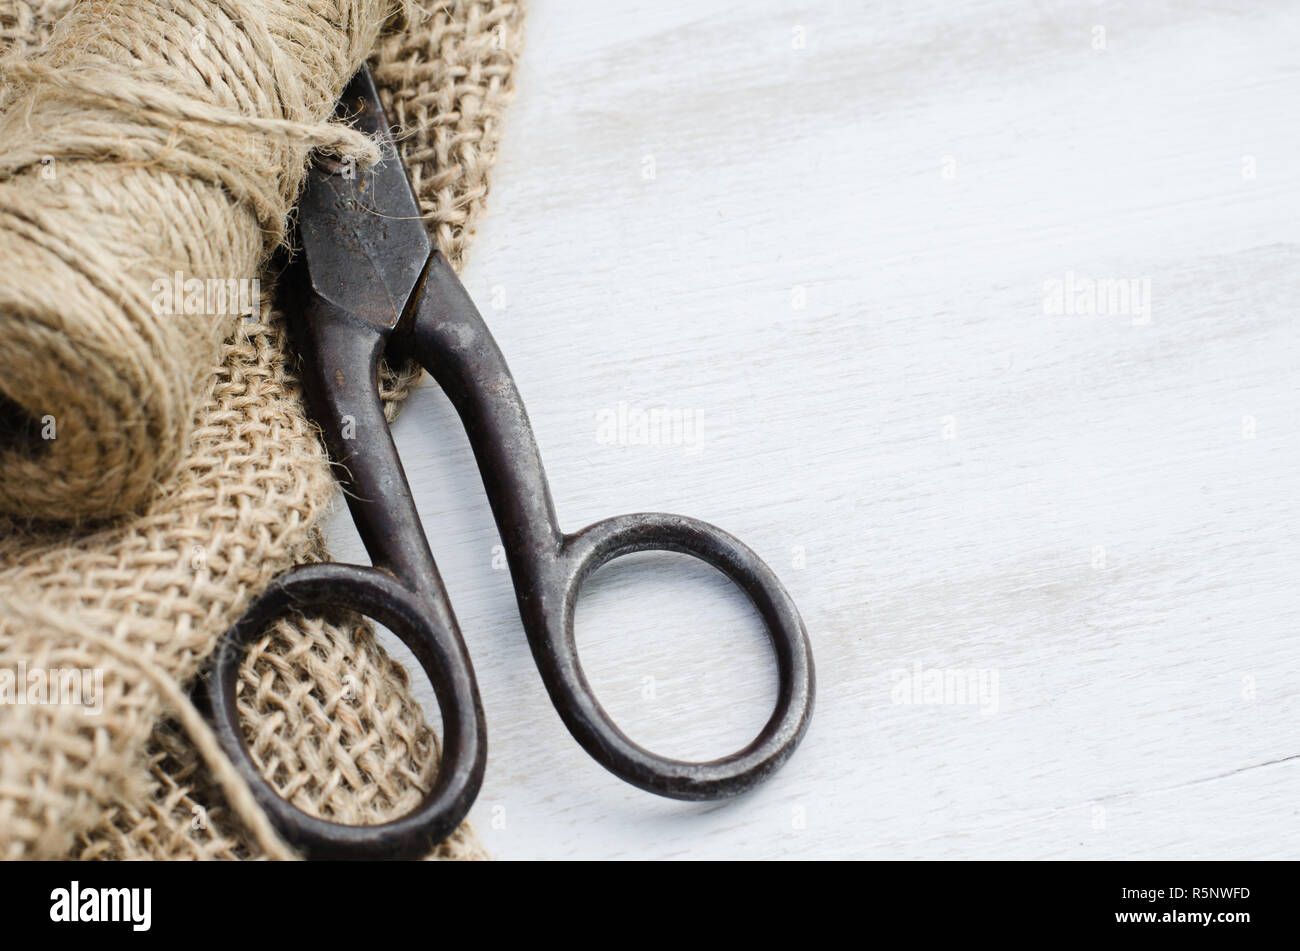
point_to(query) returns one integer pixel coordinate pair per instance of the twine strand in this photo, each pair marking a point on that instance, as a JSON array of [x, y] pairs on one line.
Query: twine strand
[[147, 144]]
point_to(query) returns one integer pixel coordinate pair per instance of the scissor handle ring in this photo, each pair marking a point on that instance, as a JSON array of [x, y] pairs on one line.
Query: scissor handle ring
[[460, 771], [584, 552]]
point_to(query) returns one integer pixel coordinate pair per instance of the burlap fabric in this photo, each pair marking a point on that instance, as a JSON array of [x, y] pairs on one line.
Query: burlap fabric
[[329, 714]]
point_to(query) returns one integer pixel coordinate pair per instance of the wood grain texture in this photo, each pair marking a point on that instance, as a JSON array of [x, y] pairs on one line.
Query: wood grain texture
[[837, 274]]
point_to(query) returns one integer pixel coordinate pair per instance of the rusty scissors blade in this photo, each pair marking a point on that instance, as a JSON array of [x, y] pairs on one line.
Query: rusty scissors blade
[[363, 241], [366, 285]]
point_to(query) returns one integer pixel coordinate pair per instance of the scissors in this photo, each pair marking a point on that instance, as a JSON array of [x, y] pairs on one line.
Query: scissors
[[367, 284]]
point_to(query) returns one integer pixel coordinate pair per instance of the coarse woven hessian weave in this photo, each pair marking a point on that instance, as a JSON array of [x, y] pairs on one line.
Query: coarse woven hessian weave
[[329, 715]]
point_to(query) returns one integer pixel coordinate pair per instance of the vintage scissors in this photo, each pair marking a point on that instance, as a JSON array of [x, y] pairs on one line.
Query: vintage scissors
[[367, 284]]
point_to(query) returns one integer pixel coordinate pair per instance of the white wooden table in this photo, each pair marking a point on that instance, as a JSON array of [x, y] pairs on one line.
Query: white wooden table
[[824, 236]]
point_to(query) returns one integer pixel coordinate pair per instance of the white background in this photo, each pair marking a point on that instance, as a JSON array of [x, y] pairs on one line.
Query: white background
[[1102, 510]]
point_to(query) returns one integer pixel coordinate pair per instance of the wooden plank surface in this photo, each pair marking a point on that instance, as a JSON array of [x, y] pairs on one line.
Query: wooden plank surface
[[833, 244]]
